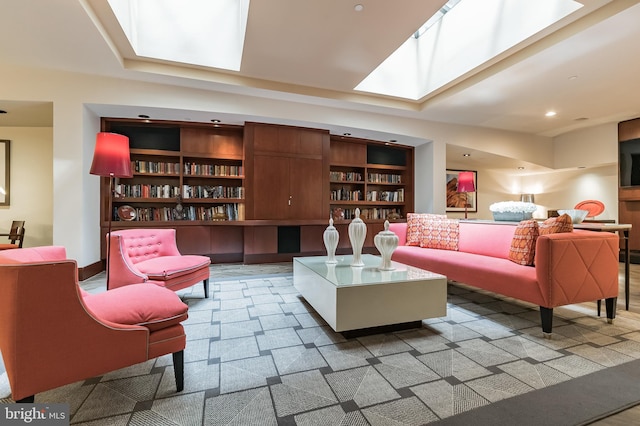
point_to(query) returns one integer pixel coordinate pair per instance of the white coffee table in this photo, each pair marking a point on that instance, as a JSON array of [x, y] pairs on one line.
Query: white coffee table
[[363, 298]]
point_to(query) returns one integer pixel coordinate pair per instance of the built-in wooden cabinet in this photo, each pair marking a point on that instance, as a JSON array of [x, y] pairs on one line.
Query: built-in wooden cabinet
[[374, 177], [629, 195], [258, 192]]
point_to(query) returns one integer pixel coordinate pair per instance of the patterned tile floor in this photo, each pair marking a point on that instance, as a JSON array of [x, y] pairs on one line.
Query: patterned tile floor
[[257, 354]]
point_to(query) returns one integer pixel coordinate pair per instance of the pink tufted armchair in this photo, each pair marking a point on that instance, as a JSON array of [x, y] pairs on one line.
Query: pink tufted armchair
[[151, 255], [53, 333]]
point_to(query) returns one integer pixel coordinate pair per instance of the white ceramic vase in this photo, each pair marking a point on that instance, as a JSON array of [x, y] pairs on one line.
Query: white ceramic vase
[[331, 238], [357, 234], [386, 242]]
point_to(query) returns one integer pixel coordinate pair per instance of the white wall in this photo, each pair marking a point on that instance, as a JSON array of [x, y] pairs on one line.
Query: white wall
[[31, 183]]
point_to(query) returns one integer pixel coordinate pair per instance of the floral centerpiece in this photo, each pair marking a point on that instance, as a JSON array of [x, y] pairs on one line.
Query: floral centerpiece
[[514, 211]]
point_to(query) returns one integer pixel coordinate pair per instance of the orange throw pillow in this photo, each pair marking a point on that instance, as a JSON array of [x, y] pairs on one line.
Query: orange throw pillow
[[523, 245], [441, 234], [556, 225], [415, 223]]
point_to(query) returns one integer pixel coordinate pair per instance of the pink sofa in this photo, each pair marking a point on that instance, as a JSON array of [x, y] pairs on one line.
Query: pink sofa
[[573, 267], [53, 333]]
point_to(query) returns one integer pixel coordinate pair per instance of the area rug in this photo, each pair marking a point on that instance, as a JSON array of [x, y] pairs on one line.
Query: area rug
[[257, 354]]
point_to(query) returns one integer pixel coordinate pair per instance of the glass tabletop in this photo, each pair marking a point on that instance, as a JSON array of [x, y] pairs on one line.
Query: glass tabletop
[[343, 274]]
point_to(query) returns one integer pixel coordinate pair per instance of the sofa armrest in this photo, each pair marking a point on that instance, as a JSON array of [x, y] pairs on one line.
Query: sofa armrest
[[400, 229], [577, 267]]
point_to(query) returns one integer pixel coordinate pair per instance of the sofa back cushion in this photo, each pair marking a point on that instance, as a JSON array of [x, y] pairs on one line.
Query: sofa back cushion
[[33, 255], [486, 238], [415, 224], [523, 244], [440, 234]]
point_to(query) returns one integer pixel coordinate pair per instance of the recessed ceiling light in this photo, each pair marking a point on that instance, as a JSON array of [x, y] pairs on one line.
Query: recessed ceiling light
[[580, 119], [520, 168], [573, 77], [466, 154], [2, 111], [143, 116], [550, 114], [393, 140], [347, 134], [358, 7], [215, 120]]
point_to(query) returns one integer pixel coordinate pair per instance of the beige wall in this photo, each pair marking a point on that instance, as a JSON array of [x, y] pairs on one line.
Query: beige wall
[[31, 183]]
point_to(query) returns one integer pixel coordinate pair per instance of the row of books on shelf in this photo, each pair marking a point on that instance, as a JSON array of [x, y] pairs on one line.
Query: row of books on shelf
[[212, 169], [338, 213], [199, 191], [346, 176], [169, 191], [229, 211], [344, 194], [147, 191], [391, 196], [139, 166], [384, 178]]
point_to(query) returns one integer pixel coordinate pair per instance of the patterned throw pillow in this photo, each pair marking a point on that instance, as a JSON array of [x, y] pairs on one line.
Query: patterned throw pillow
[[523, 245], [556, 225], [441, 234], [415, 223]]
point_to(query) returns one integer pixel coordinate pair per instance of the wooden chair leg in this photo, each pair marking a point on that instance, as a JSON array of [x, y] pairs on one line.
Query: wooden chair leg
[[178, 368], [206, 288], [27, 400]]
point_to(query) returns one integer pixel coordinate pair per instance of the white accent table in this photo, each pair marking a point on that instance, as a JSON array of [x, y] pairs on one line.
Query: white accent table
[[363, 298]]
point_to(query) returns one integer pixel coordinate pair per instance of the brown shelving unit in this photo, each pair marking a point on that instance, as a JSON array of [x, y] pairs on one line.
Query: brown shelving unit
[[275, 182]]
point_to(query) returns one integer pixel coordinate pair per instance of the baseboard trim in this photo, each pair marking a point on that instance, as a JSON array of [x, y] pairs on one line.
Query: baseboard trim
[[90, 270]]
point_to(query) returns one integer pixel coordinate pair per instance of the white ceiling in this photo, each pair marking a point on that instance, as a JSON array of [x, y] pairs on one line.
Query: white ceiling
[[317, 51]]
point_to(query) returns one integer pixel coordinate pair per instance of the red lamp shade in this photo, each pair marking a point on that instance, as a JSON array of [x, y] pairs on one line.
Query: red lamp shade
[[111, 156], [465, 182]]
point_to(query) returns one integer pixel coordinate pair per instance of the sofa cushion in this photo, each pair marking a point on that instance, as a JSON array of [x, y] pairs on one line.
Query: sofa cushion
[[440, 234], [523, 244], [555, 225], [415, 223], [138, 304], [167, 267]]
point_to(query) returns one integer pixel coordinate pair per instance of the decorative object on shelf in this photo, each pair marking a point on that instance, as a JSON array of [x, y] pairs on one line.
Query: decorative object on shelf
[[594, 207], [126, 213], [461, 191], [331, 238], [111, 159], [577, 215], [178, 210], [512, 211], [386, 242], [357, 234], [338, 213]]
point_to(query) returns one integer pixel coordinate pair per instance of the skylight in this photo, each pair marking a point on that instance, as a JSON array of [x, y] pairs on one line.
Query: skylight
[[461, 39], [208, 33]]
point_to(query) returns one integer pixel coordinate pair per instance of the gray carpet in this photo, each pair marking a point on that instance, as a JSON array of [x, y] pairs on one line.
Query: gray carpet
[[257, 354]]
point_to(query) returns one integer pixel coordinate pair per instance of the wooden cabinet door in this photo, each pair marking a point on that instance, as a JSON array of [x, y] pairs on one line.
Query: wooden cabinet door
[[271, 187], [306, 189]]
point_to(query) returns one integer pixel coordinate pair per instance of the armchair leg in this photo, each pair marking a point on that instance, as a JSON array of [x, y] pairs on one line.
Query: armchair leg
[[206, 288], [178, 368], [27, 400]]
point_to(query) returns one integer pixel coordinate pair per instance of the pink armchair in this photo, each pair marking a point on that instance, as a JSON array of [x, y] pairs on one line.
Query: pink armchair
[[53, 333], [151, 255]]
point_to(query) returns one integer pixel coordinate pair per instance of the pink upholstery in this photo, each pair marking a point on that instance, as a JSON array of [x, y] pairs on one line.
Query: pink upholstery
[[50, 337], [151, 256], [574, 267]]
